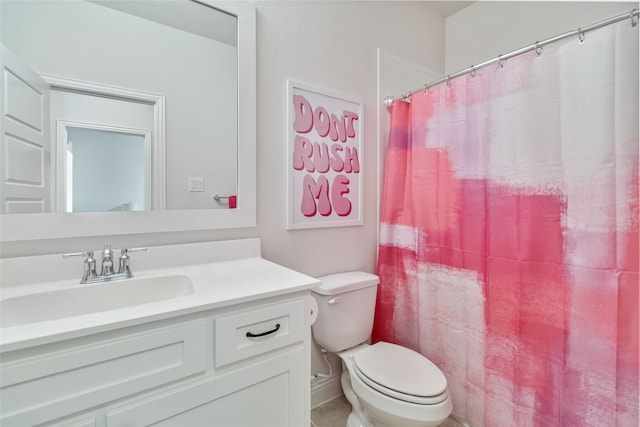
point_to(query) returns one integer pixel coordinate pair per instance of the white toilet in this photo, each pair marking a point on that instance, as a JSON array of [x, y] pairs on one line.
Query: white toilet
[[386, 384]]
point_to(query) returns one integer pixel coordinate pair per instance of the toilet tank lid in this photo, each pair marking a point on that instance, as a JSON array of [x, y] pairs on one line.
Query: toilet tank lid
[[344, 282]]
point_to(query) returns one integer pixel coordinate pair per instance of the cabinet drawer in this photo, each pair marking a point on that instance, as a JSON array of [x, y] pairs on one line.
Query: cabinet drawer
[[46, 387], [248, 333]]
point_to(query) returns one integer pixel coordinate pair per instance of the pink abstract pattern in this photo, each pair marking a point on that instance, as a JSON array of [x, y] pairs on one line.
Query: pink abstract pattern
[[509, 235]]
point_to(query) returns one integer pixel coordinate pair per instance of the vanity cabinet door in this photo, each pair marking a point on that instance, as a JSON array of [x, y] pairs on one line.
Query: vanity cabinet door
[[268, 393], [40, 389]]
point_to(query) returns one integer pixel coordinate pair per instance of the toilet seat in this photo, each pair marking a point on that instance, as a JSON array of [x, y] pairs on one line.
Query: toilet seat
[[400, 373]]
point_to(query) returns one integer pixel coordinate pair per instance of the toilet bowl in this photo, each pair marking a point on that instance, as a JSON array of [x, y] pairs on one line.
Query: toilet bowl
[[386, 384], [395, 387]]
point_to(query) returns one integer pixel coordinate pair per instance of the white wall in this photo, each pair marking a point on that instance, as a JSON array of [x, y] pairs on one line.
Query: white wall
[[331, 45], [487, 29]]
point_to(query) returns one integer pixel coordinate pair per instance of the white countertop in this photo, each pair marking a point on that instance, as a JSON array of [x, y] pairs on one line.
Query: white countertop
[[216, 284]]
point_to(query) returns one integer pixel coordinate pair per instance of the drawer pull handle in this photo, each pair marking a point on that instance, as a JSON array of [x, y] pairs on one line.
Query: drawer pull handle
[[274, 330]]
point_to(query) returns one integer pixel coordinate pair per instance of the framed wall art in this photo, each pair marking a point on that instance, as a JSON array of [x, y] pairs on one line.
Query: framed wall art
[[324, 158]]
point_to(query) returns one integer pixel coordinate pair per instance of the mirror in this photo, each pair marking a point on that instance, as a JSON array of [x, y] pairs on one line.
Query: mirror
[[182, 52], [177, 123]]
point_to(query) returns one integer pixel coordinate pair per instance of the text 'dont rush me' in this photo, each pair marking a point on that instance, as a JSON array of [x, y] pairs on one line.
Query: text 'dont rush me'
[[330, 157]]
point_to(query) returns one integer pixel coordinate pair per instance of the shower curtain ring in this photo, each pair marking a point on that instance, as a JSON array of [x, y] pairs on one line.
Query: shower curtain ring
[[472, 71], [388, 102], [634, 20], [500, 61], [448, 80], [581, 35], [538, 49], [425, 89]]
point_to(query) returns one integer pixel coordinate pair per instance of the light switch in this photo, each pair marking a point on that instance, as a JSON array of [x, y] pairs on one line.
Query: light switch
[[196, 184]]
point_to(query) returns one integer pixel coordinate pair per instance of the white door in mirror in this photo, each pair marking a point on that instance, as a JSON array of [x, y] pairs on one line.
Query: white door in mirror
[[24, 109]]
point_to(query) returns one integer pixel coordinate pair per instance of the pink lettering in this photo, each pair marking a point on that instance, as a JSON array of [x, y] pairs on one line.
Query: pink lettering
[[338, 128], [336, 158], [321, 157], [303, 121], [306, 118], [302, 154], [352, 164], [312, 191], [315, 157], [318, 196], [322, 121], [351, 117], [341, 205]]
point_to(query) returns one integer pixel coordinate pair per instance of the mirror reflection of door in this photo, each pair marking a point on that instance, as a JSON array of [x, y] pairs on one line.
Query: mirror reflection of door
[[105, 169], [104, 152], [24, 139]]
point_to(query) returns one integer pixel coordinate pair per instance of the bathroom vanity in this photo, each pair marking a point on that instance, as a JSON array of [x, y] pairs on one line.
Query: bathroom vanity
[[228, 345]]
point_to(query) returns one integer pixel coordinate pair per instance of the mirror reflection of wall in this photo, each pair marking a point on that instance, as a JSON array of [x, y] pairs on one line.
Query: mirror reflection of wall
[[197, 75], [107, 170]]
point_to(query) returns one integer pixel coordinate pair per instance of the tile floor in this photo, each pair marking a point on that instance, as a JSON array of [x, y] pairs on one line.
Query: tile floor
[[334, 413]]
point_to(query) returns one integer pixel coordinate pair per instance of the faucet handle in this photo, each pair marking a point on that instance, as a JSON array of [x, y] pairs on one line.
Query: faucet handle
[[124, 260], [88, 254], [89, 264], [125, 251]]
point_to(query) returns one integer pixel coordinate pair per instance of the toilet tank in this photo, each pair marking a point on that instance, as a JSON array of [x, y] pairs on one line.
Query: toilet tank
[[346, 303]]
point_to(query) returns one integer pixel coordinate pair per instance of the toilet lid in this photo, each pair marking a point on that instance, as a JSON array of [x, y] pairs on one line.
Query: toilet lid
[[401, 370]]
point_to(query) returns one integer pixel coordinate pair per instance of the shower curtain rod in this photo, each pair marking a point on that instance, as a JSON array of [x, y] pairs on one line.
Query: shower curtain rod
[[537, 47]]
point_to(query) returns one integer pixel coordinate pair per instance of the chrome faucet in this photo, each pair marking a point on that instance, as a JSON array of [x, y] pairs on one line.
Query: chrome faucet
[[89, 274]]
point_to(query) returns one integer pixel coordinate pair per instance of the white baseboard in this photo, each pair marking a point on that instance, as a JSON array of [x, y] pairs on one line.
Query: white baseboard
[[325, 389]]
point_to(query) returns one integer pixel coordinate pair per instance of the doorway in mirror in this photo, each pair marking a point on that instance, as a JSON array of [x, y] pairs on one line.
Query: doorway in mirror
[[105, 153], [105, 169]]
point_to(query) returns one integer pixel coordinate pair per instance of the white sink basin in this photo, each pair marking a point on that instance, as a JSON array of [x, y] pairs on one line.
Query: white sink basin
[[91, 298]]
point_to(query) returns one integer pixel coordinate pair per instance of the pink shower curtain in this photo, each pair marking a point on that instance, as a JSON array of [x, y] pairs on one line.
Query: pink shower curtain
[[509, 235]]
